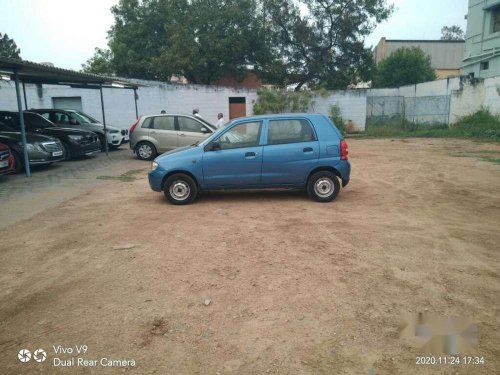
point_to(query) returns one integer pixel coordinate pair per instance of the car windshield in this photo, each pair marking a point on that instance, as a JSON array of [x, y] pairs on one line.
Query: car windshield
[[206, 123], [82, 118]]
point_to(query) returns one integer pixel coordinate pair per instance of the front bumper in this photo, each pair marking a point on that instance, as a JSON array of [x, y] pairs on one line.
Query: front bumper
[[156, 179], [85, 150]]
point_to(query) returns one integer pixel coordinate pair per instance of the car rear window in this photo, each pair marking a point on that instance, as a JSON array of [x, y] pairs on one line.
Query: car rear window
[[290, 131]]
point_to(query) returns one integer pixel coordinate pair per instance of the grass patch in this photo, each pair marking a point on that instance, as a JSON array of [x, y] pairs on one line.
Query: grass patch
[[491, 156], [124, 177], [481, 125]]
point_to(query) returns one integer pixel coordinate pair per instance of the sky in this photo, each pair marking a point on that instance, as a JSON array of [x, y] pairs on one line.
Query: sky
[[65, 32]]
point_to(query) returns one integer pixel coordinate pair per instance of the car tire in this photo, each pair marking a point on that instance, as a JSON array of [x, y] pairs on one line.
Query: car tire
[[19, 162], [180, 189], [323, 186], [145, 151], [68, 155]]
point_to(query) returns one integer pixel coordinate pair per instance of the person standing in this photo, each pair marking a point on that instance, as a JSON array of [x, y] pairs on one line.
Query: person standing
[[196, 113], [220, 120]]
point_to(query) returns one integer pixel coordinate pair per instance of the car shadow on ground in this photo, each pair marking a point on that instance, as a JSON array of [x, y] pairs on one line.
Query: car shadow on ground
[[241, 196]]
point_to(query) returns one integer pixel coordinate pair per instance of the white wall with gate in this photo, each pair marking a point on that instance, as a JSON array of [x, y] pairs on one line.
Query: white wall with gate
[[173, 98]]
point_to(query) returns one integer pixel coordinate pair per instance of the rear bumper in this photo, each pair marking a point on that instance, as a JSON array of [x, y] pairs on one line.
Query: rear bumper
[[344, 168]]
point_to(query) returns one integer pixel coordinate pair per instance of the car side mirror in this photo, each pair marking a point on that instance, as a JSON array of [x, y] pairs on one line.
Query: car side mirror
[[204, 130]]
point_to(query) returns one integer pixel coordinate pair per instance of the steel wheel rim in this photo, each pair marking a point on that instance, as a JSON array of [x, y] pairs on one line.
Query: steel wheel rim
[[179, 190], [145, 151], [324, 187]]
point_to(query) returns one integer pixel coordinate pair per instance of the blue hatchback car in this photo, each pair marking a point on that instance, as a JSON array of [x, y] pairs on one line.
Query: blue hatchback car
[[270, 151]]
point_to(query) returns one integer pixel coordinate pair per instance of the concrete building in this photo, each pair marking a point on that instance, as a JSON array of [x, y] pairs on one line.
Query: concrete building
[[482, 44], [446, 55]]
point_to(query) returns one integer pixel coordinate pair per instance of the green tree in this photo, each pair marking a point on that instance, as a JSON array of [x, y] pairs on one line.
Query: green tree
[[452, 33], [199, 39], [406, 66], [210, 38], [323, 46], [8, 48], [100, 63]]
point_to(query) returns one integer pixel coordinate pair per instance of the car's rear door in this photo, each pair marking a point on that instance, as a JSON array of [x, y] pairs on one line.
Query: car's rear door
[[162, 131], [190, 131], [238, 162], [291, 151]]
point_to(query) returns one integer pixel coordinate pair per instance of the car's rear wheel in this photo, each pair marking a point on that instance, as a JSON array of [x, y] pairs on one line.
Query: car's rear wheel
[[145, 151], [323, 186], [180, 189]]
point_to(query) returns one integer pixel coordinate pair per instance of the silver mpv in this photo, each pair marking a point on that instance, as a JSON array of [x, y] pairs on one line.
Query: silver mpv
[[153, 135]]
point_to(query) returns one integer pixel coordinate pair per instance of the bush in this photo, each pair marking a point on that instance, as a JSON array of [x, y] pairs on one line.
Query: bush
[[481, 124], [337, 119], [281, 101]]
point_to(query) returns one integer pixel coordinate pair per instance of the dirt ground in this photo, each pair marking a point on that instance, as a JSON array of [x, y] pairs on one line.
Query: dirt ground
[[263, 282]]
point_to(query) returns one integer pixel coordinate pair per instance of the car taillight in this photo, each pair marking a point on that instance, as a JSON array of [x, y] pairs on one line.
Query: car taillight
[[343, 150], [132, 128]]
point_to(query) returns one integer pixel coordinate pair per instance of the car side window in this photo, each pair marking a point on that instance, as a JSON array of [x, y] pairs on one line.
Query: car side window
[[242, 135], [147, 123], [164, 123], [45, 115], [187, 124], [290, 131]]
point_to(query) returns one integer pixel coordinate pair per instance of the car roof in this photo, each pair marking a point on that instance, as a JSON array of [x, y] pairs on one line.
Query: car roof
[[281, 115]]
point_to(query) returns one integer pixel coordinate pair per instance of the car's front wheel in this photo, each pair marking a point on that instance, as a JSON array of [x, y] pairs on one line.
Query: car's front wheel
[[145, 151], [323, 186], [180, 189]]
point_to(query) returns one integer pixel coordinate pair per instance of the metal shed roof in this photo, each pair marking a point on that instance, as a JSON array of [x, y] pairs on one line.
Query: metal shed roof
[[31, 72]]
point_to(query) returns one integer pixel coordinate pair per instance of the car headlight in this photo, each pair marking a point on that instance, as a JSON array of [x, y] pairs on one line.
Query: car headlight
[[154, 165], [75, 138], [35, 146]]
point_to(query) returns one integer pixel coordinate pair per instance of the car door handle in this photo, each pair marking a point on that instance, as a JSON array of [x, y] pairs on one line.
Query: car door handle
[[182, 135], [153, 133], [308, 149], [250, 155]]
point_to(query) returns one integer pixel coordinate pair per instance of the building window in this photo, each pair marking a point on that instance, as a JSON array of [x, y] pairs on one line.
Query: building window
[[485, 65], [496, 19]]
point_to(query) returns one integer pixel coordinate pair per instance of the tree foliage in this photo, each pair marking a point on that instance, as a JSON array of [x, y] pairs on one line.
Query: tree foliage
[[452, 33], [100, 63], [325, 45], [314, 42], [8, 48], [406, 66]]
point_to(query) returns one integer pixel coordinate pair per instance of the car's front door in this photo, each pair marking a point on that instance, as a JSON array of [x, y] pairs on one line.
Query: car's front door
[[162, 131], [290, 153], [234, 159], [191, 131]]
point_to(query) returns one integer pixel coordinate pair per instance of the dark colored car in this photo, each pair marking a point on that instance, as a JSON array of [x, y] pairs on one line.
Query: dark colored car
[[75, 142], [70, 118], [42, 150], [7, 161]]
